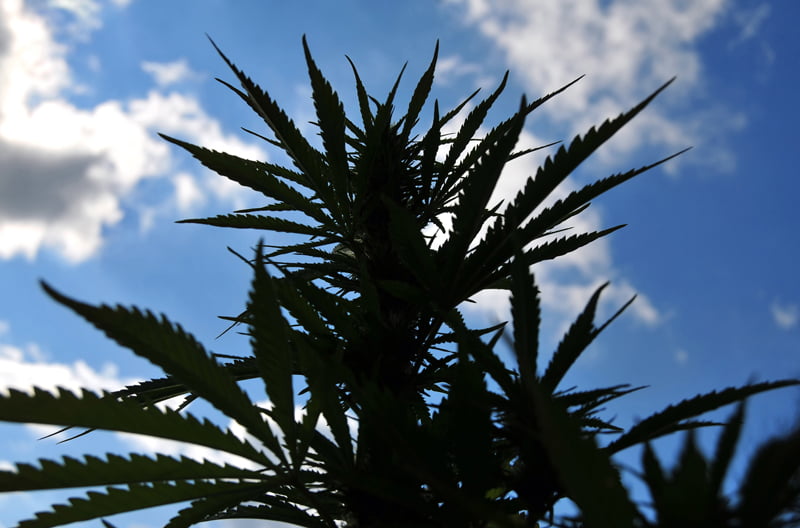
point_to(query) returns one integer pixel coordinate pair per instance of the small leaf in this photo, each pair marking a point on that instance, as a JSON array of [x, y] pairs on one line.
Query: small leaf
[[577, 338], [259, 176], [420, 95], [331, 121], [669, 420], [271, 344], [585, 470], [305, 157], [726, 447], [526, 317], [269, 223]]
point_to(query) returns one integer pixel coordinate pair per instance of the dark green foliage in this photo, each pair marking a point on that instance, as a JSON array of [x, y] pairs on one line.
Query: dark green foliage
[[386, 409], [692, 495]]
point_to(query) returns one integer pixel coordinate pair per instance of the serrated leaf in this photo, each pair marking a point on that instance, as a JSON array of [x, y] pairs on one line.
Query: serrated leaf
[[363, 100], [490, 272], [591, 399], [667, 420], [585, 470], [574, 342], [267, 223], [420, 95], [305, 157], [526, 318], [574, 202], [106, 412], [93, 471], [211, 507], [725, 449], [469, 127], [270, 341], [179, 354], [469, 214], [257, 175], [132, 498], [555, 169], [331, 121]]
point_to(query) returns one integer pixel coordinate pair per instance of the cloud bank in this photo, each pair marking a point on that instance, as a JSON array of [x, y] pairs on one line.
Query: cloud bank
[[67, 171]]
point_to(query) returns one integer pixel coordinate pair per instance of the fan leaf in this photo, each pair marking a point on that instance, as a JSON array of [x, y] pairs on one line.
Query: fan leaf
[[179, 354], [107, 412], [668, 420]]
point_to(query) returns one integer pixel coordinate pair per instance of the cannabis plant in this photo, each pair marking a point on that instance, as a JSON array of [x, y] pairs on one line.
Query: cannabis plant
[[385, 408], [692, 494]]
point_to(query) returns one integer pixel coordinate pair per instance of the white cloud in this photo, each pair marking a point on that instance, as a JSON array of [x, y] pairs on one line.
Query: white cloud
[[85, 13], [750, 21], [681, 356], [786, 316], [182, 116], [626, 48], [454, 68], [80, 17], [67, 171], [187, 192], [25, 367], [168, 73]]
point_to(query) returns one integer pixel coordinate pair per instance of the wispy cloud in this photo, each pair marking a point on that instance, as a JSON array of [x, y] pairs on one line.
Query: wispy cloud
[[453, 68], [169, 73], [786, 316], [681, 356], [750, 21], [77, 19]]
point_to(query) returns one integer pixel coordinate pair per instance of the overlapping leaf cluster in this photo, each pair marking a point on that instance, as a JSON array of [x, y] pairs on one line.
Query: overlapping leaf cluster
[[355, 328], [692, 494]]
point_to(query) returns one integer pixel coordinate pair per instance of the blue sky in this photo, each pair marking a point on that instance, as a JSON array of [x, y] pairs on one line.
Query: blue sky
[[89, 193]]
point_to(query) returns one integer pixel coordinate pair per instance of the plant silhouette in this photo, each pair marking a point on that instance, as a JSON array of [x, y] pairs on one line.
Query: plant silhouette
[[354, 330]]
